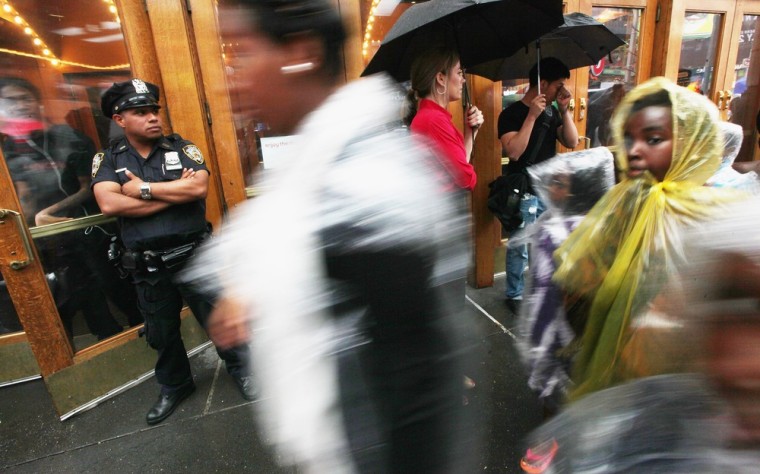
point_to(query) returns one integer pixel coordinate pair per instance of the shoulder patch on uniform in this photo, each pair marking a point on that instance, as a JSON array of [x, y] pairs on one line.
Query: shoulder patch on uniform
[[194, 153], [96, 161]]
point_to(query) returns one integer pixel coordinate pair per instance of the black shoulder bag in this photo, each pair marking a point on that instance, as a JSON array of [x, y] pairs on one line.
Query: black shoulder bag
[[506, 191]]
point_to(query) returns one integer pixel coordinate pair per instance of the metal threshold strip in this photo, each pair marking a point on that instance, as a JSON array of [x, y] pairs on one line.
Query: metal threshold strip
[[18, 381], [126, 386]]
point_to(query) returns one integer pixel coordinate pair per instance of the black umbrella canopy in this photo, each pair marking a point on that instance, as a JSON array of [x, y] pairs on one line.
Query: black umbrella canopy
[[580, 41], [480, 30]]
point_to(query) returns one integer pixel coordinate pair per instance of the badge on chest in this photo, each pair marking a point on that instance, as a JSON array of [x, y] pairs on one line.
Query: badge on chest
[[171, 161]]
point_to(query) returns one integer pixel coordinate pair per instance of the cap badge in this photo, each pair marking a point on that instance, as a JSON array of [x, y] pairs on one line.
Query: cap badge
[[140, 86]]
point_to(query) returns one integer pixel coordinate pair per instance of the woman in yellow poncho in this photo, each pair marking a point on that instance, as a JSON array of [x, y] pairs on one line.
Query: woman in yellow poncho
[[668, 145]]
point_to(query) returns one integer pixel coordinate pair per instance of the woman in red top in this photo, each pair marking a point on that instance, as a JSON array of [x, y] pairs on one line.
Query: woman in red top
[[437, 79]]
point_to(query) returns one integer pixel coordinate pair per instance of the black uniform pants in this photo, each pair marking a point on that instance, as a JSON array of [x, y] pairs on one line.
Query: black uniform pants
[[160, 299]]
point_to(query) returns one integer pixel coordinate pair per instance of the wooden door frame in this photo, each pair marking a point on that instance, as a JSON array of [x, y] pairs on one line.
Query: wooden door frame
[[744, 7], [669, 30], [183, 88], [353, 63], [141, 50], [486, 160], [28, 287], [222, 123], [646, 35]]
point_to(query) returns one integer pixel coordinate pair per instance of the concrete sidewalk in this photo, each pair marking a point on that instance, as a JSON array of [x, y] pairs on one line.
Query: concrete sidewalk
[[213, 430]]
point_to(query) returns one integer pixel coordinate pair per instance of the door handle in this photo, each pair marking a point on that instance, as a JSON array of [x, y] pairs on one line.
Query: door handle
[[720, 100], [727, 102], [571, 105], [19, 264], [587, 141], [582, 113]]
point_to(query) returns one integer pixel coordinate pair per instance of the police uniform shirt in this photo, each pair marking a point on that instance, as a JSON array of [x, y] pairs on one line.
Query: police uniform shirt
[[173, 226]]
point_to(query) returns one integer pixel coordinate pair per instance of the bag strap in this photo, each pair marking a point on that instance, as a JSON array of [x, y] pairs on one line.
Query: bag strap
[[540, 138], [545, 124]]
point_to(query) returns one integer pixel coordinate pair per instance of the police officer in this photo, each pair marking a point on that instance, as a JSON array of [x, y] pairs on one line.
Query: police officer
[[157, 187]]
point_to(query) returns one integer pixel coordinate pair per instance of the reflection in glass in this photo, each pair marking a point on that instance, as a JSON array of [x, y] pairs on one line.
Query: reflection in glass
[[699, 49], [249, 131], [608, 80], [744, 91], [83, 282], [55, 61]]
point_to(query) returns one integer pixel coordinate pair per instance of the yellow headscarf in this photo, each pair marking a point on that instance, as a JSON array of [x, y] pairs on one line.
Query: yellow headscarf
[[623, 251]]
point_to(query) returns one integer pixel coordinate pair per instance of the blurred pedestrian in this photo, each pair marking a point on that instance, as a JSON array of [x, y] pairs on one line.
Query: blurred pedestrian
[[438, 79], [618, 258], [528, 131], [570, 184], [727, 176], [157, 187], [339, 266], [701, 416], [600, 110], [748, 166]]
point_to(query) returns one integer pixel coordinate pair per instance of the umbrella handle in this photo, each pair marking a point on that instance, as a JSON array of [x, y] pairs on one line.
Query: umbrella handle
[[538, 65], [466, 103]]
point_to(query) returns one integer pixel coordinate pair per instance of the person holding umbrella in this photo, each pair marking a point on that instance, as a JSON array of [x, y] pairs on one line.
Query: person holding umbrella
[[528, 130], [438, 79]]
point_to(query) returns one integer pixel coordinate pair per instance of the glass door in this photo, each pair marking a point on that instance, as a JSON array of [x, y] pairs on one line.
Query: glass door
[[705, 36], [612, 77], [56, 60], [711, 47], [741, 84], [65, 310]]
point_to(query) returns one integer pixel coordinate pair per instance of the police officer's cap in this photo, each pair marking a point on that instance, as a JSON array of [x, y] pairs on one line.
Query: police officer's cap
[[129, 95]]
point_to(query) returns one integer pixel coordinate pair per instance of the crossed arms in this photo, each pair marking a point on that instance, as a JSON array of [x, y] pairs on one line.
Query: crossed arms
[[124, 200]]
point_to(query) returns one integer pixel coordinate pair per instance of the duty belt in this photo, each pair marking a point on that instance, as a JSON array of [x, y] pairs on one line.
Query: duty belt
[[153, 260]]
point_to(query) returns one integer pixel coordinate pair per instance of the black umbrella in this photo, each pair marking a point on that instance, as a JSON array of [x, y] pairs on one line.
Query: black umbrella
[[480, 30], [580, 41]]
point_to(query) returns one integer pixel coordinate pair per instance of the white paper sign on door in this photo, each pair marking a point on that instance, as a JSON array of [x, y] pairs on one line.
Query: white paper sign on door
[[275, 149]]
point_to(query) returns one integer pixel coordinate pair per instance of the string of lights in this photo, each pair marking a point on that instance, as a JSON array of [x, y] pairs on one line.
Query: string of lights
[[13, 16], [64, 62], [368, 30], [112, 9], [10, 14]]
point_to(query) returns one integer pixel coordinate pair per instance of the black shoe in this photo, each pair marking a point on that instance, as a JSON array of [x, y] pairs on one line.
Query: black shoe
[[167, 402], [513, 306], [246, 387]]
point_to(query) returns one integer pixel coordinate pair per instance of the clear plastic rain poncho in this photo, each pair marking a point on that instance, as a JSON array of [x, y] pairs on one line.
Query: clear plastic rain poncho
[[569, 185], [727, 176], [621, 254], [681, 422], [344, 266]]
